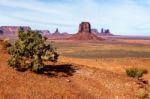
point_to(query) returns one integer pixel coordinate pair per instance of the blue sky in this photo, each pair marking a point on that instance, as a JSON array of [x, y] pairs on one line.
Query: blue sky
[[123, 17]]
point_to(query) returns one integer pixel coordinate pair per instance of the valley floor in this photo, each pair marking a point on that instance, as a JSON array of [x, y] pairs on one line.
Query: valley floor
[[77, 77]]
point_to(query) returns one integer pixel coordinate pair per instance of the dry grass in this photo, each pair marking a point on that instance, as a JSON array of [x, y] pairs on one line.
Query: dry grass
[[113, 55], [103, 49]]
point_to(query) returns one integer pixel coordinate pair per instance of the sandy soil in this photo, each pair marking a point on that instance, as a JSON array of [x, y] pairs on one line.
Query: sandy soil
[[71, 81]]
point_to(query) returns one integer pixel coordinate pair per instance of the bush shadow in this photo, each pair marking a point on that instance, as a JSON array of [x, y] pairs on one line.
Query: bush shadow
[[63, 70]]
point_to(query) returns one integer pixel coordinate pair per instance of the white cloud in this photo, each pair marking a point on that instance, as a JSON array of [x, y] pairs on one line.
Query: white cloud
[[122, 17]]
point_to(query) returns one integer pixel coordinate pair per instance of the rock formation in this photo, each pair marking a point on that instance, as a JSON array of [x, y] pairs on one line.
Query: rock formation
[[104, 32], [84, 27], [56, 33], [44, 32], [59, 35], [84, 33]]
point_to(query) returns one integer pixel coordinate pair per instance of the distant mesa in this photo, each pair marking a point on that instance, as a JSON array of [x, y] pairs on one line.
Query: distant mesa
[[85, 33], [104, 32], [13, 30]]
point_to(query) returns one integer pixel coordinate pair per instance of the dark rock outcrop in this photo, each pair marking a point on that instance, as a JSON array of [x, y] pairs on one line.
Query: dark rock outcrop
[[85, 33]]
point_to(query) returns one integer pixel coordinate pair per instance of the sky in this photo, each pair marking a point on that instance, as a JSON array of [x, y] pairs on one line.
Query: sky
[[122, 17]]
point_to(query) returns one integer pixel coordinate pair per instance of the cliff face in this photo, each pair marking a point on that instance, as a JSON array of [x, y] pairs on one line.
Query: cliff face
[[84, 33], [84, 27]]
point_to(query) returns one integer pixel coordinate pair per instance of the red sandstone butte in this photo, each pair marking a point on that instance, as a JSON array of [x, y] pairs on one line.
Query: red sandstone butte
[[84, 33]]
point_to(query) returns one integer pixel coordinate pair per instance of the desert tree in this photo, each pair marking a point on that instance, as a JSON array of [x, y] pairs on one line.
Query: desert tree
[[30, 51]]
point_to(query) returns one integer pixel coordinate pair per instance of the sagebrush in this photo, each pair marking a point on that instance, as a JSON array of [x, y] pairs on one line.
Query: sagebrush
[[30, 50], [135, 72]]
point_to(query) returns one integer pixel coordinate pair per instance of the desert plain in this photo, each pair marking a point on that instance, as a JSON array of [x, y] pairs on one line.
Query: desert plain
[[85, 70]]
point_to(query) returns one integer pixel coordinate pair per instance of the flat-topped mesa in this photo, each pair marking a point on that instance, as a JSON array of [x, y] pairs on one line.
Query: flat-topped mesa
[[13, 29], [85, 27]]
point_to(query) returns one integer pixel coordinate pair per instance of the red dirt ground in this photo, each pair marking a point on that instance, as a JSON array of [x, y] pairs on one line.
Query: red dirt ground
[[84, 83]]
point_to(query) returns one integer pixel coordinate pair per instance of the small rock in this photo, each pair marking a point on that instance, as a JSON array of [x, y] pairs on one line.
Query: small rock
[[68, 80]]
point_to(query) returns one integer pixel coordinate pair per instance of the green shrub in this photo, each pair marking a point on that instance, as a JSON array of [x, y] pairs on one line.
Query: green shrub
[[135, 72], [28, 51]]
